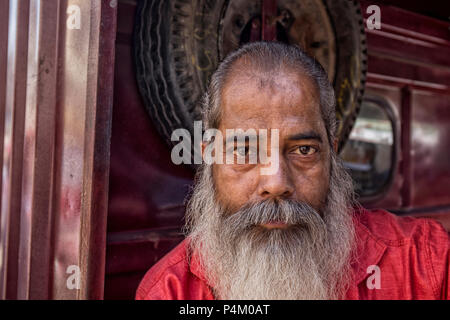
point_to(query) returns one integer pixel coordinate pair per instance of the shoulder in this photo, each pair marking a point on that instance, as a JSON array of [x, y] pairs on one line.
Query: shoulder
[[177, 276], [172, 265], [394, 230], [411, 244]]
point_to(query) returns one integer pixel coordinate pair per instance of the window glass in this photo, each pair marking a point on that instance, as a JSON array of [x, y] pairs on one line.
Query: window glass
[[369, 151]]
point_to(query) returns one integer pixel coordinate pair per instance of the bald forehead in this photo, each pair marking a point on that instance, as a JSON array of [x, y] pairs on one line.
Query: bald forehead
[[268, 75], [245, 77], [269, 100]]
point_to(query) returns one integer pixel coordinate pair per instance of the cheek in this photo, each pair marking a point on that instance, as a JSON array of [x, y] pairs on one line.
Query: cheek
[[313, 186], [233, 189]]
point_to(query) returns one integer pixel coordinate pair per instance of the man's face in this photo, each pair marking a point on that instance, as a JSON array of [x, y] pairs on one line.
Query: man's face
[[288, 102], [252, 247]]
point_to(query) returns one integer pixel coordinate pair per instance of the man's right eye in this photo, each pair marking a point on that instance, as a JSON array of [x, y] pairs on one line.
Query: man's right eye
[[241, 151]]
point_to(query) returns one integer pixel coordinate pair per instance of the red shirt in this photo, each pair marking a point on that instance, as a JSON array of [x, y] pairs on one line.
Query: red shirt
[[412, 255]]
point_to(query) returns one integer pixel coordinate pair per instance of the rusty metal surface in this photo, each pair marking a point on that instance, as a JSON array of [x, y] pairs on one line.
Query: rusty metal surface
[[13, 139], [57, 131], [4, 22], [97, 149], [39, 134], [82, 153]]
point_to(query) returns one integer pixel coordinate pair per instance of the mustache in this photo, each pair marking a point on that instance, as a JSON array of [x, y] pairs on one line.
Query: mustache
[[290, 212]]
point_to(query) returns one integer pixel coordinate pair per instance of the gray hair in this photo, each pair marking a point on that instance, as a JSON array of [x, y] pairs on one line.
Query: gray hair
[[269, 57]]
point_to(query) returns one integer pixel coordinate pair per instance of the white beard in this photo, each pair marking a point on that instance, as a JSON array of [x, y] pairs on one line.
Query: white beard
[[309, 260]]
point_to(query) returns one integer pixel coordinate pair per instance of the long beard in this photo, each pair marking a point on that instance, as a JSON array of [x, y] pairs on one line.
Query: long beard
[[310, 259]]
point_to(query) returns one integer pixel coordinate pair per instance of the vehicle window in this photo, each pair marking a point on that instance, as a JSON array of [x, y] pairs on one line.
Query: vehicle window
[[368, 153]]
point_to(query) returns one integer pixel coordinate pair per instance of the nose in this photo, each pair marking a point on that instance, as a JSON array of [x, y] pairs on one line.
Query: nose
[[278, 184]]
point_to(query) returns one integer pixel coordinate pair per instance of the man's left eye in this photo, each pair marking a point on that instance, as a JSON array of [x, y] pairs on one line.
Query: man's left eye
[[305, 150]]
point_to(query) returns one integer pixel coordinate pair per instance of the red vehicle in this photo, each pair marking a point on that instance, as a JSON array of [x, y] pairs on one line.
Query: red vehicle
[[91, 90]]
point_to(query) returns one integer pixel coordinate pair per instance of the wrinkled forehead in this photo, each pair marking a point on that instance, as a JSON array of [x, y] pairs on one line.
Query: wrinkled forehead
[[264, 71], [256, 98]]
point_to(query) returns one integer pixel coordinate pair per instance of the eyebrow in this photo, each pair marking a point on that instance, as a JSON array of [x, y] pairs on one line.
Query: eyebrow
[[309, 135]]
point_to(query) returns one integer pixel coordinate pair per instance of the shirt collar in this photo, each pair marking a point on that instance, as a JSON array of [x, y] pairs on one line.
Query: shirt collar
[[194, 264]]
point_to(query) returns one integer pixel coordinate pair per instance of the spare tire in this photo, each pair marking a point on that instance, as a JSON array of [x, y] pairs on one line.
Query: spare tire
[[179, 43]]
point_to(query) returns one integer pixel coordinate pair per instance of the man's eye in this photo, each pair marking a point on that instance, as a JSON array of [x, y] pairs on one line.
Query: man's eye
[[305, 150], [241, 151], [245, 151]]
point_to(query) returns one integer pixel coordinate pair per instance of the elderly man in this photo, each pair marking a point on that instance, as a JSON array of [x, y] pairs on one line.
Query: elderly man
[[295, 233]]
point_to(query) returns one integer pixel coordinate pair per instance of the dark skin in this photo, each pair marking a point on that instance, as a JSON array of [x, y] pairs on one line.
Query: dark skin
[[287, 101]]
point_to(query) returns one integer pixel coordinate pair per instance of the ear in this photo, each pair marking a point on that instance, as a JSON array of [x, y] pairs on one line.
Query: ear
[[203, 145], [336, 144]]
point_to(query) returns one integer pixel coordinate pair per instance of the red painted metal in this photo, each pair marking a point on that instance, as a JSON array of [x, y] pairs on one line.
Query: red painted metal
[[255, 32], [37, 172], [430, 152], [269, 25], [408, 65], [146, 209], [430, 9], [13, 139], [405, 143], [96, 173], [57, 123]]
